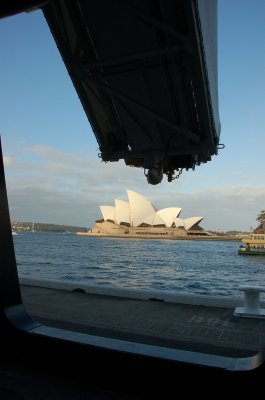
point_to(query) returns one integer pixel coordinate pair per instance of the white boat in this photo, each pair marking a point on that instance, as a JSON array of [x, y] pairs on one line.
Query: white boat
[[254, 244], [14, 233]]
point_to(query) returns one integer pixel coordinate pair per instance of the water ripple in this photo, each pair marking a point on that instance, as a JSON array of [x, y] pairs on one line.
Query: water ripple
[[201, 267]]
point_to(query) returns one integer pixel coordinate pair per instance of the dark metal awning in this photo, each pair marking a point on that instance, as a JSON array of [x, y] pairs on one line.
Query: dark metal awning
[[146, 74]]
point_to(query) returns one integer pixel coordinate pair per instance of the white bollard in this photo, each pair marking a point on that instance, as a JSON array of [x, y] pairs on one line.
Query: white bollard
[[251, 302]]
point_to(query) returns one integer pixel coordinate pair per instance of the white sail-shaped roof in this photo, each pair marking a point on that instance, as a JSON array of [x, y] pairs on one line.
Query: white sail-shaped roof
[[140, 207], [169, 214], [158, 220], [149, 219], [154, 219], [122, 211], [179, 222], [141, 211], [108, 212], [190, 222]]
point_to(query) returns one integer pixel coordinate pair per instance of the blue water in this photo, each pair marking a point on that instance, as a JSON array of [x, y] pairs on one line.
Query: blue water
[[198, 267]]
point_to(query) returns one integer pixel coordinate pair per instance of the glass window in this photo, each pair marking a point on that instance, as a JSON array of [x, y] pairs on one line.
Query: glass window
[[163, 292]]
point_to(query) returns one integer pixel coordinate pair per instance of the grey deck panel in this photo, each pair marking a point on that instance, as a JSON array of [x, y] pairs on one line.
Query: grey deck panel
[[213, 330]]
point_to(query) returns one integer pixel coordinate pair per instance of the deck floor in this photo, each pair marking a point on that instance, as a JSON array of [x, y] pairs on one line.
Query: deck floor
[[210, 330]]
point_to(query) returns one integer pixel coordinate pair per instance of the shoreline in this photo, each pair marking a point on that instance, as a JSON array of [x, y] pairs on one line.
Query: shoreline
[[150, 236]]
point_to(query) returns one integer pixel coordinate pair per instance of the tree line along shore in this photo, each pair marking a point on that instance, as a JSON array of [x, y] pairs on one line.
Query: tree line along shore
[[19, 226]]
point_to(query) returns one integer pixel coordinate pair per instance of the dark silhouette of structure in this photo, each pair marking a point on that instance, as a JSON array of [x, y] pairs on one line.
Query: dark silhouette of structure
[[145, 73]]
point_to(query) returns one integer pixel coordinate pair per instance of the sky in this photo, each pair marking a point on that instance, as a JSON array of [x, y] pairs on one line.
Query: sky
[[53, 173]]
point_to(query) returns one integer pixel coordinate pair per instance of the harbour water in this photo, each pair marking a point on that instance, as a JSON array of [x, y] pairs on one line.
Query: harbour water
[[195, 267]]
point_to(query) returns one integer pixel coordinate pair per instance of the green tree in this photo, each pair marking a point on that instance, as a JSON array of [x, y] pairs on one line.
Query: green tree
[[261, 218]]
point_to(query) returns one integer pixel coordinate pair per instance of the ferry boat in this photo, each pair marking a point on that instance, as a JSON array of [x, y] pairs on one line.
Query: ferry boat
[[254, 244]]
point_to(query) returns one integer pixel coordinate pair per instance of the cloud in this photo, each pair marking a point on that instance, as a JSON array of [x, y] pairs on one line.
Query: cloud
[[48, 185]]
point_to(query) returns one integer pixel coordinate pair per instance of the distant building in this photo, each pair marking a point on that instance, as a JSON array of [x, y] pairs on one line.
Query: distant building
[[138, 216]]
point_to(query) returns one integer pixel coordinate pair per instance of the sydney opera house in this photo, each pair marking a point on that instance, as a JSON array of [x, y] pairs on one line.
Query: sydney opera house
[[138, 217]]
